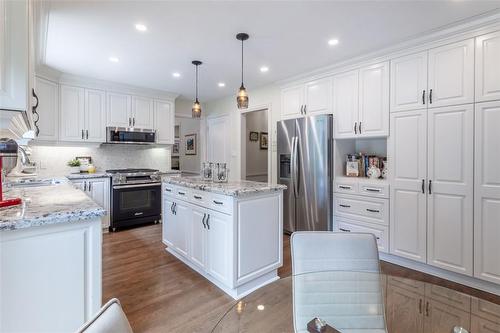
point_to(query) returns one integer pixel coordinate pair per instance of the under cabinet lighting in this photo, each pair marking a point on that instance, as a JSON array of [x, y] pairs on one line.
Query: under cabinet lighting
[[113, 59], [141, 27]]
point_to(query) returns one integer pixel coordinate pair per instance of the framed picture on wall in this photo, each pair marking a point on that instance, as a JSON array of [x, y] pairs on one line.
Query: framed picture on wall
[[263, 140], [254, 136], [190, 144]]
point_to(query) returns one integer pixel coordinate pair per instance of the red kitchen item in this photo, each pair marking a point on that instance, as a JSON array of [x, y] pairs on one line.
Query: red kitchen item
[[6, 202]]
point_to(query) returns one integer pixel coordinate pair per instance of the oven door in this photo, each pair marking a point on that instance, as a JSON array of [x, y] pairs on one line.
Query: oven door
[[138, 202]]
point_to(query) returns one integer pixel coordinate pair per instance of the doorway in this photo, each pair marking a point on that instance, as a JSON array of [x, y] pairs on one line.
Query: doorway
[[255, 146]]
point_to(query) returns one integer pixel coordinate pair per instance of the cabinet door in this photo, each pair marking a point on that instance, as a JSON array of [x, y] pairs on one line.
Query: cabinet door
[[480, 325], [142, 112], [409, 82], [197, 253], [488, 67], [487, 192], [168, 223], [404, 310], [374, 101], [319, 97], [182, 221], [48, 109], [450, 201], [99, 192], [118, 110], [219, 234], [95, 115], [408, 160], [164, 122], [451, 74], [441, 318], [72, 113], [346, 104], [292, 101]]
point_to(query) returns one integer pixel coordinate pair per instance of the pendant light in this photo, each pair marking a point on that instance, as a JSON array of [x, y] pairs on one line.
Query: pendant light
[[196, 111], [242, 98]]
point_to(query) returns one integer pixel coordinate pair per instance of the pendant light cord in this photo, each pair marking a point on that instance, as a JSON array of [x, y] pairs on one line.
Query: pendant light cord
[[197, 83], [242, 62]]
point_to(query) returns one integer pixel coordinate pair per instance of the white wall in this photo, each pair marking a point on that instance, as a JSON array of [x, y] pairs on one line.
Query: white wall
[[265, 97], [188, 125], [256, 158]]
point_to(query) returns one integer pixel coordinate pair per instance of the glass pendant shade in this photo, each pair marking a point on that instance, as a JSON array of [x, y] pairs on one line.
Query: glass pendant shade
[[242, 98], [196, 110]]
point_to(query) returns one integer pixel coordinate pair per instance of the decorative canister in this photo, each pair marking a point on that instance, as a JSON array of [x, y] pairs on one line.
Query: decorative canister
[[373, 172], [385, 168], [220, 173], [206, 171]]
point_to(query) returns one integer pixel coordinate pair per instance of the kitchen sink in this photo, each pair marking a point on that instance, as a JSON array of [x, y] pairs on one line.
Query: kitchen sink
[[33, 182]]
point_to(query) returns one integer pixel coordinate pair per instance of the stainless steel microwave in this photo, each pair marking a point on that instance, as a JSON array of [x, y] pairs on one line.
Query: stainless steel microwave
[[130, 135]]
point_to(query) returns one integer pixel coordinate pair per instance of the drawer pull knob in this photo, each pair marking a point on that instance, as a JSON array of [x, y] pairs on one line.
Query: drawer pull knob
[[373, 189], [344, 230], [345, 206], [197, 197], [217, 202], [373, 210], [168, 190], [182, 193], [345, 187]]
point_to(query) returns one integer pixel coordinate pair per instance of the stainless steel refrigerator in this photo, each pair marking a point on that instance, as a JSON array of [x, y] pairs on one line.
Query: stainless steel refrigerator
[[305, 163]]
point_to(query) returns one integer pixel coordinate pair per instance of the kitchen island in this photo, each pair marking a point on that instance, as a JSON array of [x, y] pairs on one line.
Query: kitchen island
[[50, 258], [231, 233]]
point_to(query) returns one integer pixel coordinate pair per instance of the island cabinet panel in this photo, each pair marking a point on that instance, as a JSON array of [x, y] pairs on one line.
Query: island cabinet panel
[[216, 235]]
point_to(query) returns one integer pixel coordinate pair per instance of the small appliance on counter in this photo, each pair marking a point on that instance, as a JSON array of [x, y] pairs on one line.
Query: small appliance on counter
[[8, 160]]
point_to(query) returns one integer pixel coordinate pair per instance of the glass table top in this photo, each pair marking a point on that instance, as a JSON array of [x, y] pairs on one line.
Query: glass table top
[[354, 302]]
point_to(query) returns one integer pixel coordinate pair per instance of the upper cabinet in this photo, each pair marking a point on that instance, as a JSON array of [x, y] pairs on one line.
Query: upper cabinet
[[119, 111], [439, 77], [312, 98], [95, 115], [48, 109], [361, 102], [488, 67], [164, 119], [142, 112]]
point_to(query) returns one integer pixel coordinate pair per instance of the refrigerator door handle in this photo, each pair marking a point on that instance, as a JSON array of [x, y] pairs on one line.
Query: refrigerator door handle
[[295, 168], [292, 164]]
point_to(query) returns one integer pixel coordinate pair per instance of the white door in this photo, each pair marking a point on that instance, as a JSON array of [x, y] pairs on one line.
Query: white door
[[218, 133], [72, 113], [99, 192], [292, 102], [48, 109], [374, 101], [118, 110], [142, 112], [488, 67], [451, 74], [318, 97], [168, 223], [218, 241], [164, 122], [487, 192], [95, 115], [450, 201], [346, 104], [182, 221], [409, 82], [407, 153], [197, 253]]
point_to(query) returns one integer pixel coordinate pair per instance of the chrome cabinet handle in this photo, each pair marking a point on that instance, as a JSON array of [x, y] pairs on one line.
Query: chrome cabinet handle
[[182, 193], [168, 190], [208, 219], [203, 220], [359, 127], [84, 186], [87, 134], [372, 210], [345, 206], [218, 202], [133, 121], [355, 127], [305, 108], [90, 186], [82, 134], [197, 197], [175, 208], [344, 230], [430, 186], [172, 208], [344, 187], [430, 96], [423, 186], [129, 121], [423, 97], [369, 189]]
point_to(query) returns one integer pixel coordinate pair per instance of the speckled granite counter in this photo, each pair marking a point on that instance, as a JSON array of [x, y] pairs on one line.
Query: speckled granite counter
[[44, 205], [231, 188]]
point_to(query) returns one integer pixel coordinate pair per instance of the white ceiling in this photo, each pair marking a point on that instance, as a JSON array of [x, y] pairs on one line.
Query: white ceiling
[[290, 37]]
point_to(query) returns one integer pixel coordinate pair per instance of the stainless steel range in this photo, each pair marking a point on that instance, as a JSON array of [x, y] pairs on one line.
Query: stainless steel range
[[135, 197]]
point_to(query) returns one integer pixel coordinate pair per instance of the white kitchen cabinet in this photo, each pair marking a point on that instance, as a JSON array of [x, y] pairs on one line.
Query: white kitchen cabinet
[[451, 74], [487, 192], [95, 115], [374, 101], [72, 113], [450, 189], [292, 102], [219, 235], [99, 190], [198, 250], [48, 109], [409, 82], [168, 230], [176, 218], [488, 67], [119, 110], [407, 155], [318, 97], [345, 104], [164, 121], [142, 112]]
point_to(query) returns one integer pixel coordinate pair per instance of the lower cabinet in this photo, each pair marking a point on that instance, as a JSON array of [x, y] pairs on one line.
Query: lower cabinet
[[99, 190]]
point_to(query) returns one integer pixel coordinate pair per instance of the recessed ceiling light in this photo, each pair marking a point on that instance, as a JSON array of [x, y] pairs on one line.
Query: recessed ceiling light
[[333, 42], [264, 69], [260, 307], [113, 59], [141, 27], [221, 84], [176, 74]]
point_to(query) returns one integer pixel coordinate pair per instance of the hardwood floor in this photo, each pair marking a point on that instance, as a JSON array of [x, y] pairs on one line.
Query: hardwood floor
[[160, 294]]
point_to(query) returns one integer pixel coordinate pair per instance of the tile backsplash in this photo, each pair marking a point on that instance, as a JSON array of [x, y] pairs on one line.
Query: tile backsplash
[[52, 160]]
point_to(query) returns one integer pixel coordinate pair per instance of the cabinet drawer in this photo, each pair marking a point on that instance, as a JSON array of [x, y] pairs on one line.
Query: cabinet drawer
[[198, 197], [169, 190], [182, 193], [343, 187], [381, 233], [221, 203], [370, 210], [485, 309], [374, 190]]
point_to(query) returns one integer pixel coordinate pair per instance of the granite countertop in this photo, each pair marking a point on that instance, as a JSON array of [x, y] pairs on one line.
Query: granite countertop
[[51, 204], [85, 175], [231, 188]]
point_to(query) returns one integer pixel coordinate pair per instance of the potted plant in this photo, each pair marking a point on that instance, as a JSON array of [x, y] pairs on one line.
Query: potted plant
[[74, 166]]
